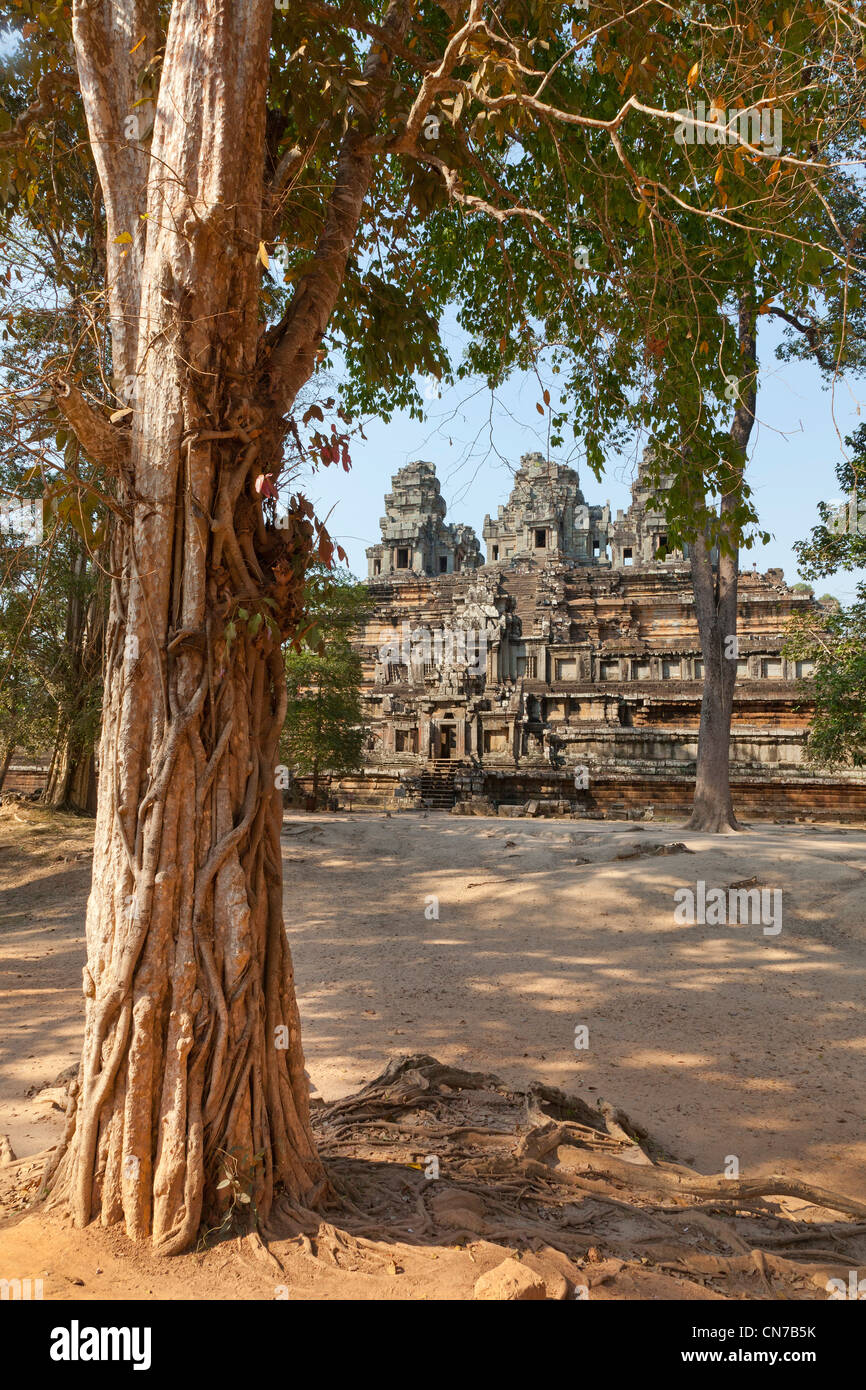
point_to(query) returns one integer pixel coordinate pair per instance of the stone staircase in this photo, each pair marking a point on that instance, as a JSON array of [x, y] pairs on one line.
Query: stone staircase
[[523, 590], [437, 784]]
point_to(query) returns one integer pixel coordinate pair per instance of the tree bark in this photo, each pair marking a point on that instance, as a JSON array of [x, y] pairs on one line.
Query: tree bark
[[192, 1072], [7, 760], [715, 590], [70, 780], [57, 785]]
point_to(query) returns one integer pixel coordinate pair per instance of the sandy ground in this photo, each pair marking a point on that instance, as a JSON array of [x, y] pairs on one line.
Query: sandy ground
[[44, 882], [720, 1040]]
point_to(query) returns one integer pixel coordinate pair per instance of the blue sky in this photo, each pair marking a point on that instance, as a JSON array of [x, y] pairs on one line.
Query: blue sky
[[475, 441]]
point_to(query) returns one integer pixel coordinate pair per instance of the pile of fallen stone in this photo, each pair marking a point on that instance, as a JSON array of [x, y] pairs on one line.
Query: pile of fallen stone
[[540, 807]]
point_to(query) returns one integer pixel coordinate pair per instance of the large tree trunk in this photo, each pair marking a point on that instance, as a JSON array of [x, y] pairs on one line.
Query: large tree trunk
[[6, 762], [59, 773], [192, 1070], [192, 1096], [71, 780], [715, 590]]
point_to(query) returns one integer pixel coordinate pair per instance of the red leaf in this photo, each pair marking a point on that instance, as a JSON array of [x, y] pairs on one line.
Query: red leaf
[[265, 486]]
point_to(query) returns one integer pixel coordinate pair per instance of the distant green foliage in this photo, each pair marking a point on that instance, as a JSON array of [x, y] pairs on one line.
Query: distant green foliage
[[26, 708], [324, 729], [836, 643], [836, 638], [53, 595], [52, 602]]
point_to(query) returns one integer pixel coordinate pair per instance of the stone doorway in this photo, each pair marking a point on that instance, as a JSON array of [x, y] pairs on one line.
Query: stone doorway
[[445, 742]]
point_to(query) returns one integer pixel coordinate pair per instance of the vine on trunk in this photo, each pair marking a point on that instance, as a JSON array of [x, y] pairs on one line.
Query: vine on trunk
[[195, 984]]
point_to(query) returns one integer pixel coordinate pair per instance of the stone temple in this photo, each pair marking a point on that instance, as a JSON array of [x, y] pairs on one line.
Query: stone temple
[[564, 673], [415, 536]]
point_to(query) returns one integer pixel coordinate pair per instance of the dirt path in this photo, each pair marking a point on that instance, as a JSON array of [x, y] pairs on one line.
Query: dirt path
[[44, 881], [720, 1040]]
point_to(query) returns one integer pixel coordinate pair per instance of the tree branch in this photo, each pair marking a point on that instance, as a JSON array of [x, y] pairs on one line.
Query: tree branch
[[295, 340], [114, 40], [810, 332], [292, 163], [99, 439], [44, 106]]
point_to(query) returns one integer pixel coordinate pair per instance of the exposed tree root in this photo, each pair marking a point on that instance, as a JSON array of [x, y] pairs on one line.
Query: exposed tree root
[[543, 1170]]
